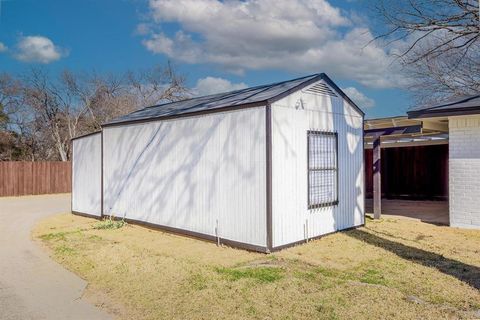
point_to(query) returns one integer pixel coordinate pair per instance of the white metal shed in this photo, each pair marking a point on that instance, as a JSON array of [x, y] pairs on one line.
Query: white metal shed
[[260, 168]]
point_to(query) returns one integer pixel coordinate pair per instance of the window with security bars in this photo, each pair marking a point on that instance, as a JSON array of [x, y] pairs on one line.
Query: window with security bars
[[322, 169]]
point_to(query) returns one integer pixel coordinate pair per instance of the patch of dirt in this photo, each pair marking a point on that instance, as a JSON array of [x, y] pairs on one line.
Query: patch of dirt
[[104, 301]]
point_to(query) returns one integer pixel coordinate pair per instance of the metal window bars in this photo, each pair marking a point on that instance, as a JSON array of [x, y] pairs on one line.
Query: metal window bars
[[322, 148]]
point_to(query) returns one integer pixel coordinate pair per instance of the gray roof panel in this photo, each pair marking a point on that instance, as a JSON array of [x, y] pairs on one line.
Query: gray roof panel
[[455, 106], [256, 95]]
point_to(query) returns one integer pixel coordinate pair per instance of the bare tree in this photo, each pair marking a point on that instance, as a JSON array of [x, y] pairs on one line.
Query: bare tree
[[6, 138], [39, 114], [438, 42], [101, 98], [93, 96], [51, 111], [10, 102], [158, 84], [437, 78], [10, 89]]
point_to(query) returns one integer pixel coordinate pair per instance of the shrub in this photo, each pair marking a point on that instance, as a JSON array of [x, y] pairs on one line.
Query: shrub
[[109, 223]]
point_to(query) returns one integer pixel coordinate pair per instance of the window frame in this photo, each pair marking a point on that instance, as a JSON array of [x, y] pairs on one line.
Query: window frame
[[324, 204]]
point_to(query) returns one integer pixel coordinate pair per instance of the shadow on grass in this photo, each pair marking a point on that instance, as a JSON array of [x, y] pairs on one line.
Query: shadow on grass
[[464, 272]]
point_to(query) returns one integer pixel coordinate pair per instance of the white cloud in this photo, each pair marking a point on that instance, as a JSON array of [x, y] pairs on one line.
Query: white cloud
[[142, 29], [304, 36], [38, 49], [3, 47], [359, 98], [211, 85]]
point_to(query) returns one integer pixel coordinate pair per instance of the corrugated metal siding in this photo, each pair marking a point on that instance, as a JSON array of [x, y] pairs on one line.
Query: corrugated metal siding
[[188, 173], [86, 175], [291, 118]]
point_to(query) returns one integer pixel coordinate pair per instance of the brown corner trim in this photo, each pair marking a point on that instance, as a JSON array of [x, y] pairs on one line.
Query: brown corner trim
[[187, 115], [86, 135], [363, 173], [324, 77], [209, 238], [340, 91], [101, 174], [300, 86], [196, 235], [71, 178], [321, 76], [88, 215], [293, 244], [268, 128]]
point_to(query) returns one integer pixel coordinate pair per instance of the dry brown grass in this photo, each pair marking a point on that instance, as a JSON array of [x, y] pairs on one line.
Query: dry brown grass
[[392, 268]]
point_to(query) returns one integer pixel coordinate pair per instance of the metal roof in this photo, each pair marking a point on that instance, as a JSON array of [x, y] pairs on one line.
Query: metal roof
[[255, 96], [389, 122], [454, 106], [401, 131], [394, 131]]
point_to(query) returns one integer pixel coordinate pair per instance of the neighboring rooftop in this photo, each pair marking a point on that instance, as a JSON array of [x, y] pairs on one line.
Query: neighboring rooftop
[[400, 131], [259, 95], [389, 122], [455, 106]]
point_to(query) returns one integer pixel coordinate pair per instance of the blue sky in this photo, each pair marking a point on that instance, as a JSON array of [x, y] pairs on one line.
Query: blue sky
[[214, 44]]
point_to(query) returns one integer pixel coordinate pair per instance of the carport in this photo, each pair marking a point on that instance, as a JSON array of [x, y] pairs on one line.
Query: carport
[[406, 168], [462, 115]]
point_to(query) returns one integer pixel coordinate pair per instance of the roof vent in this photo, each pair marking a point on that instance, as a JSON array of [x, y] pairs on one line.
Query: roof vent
[[321, 88]]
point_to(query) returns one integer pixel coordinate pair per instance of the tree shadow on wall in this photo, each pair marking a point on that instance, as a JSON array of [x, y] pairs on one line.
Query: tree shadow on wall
[[170, 171]]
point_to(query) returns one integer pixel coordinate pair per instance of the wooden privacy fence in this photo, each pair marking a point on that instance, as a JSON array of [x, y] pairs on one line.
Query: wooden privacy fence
[[18, 178]]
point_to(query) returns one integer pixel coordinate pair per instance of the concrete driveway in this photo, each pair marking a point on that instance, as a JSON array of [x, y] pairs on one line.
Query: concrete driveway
[[32, 286], [435, 212]]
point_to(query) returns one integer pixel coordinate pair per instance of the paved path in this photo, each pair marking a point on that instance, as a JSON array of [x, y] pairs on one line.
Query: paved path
[[435, 212], [32, 286]]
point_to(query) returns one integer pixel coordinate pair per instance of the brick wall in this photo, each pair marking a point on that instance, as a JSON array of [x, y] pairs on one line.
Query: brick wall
[[464, 168]]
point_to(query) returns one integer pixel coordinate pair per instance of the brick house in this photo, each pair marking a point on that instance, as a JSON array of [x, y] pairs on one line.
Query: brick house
[[463, 118]]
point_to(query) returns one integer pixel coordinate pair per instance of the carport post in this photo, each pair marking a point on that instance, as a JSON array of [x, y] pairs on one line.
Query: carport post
[[377, 179]]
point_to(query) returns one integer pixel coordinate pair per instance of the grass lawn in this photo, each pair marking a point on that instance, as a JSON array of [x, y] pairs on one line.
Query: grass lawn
[[392, 268]]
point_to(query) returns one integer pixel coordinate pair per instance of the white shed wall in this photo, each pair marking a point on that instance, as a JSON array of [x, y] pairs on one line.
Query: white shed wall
[[87, 175], [291, 118], [189, 173], [464, 171]]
